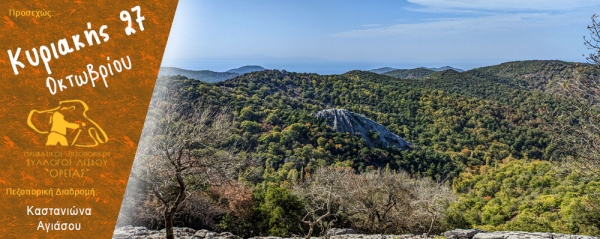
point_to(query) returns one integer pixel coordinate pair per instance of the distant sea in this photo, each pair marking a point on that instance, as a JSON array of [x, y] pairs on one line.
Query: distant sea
[[322, 67]]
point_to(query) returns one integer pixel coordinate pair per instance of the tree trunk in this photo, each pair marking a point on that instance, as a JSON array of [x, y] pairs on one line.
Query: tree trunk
[[310, 230], [170, 210], [169, 225]]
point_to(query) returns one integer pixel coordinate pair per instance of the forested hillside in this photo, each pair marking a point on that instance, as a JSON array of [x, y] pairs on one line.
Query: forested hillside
[[495, 82], [485, 132], [450, 131], [416, 73], [525, 195], [205, 75]]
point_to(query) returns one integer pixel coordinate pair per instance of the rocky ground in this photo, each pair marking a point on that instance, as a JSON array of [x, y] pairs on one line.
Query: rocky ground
[[130, 232]]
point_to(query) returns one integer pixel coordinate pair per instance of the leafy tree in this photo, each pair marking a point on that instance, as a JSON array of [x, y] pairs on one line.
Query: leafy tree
[[281, 211], [533, 196]]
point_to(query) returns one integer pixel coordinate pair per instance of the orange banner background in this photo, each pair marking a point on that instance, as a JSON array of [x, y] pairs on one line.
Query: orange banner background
[[118, 109]]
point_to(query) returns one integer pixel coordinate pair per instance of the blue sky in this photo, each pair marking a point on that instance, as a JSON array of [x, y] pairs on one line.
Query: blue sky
[[332, 37]]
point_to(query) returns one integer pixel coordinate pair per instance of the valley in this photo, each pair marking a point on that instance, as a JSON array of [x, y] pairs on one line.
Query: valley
[[484, 148]]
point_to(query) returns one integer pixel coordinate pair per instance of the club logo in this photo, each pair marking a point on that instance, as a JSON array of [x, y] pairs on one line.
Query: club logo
[[64, 125]]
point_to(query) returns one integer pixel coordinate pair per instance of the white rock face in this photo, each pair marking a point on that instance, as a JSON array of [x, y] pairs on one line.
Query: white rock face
[[461, 233], [345, 121], [130, 232], [528, 235]]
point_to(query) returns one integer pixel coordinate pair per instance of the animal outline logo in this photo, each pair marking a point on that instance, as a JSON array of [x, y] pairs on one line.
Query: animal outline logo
[[61, 129]]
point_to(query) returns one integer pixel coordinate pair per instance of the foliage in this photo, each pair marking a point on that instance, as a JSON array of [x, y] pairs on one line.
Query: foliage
[[416, 73], [205, 75], [463, 126], [450, 132], [527, 196], [280, 210]]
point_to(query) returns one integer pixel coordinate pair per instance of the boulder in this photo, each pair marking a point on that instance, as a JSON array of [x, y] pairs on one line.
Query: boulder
[[340, 231], [228, 235], [375, 134], [461, 233], [201, 233], [527, 235]]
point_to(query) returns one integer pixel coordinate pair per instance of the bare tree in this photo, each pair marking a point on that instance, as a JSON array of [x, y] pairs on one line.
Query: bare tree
[[593, 42], [580, 140], [395, 202], [578, 127], [378, 202], [322, 192], [179, 153], [431, 201]]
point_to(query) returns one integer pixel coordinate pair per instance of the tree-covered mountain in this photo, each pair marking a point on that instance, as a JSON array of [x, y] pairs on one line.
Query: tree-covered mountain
[[469, 128], [450, 131], [419, 71], [246, 69], [383, 70], [463, 83], [206, 75], [203, 75], [416, 73], [545, 76], [443, 68], [501, 82]]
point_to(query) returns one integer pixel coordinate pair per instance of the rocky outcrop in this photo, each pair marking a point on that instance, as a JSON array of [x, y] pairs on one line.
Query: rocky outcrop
[[527, 235], [479, 234], [340, 231], [377, 236], [346, 233], [130, 232], [461, 233], [374, 133]]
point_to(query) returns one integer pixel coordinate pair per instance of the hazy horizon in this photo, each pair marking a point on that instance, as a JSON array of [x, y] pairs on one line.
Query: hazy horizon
[[334, 37], [319, 67]]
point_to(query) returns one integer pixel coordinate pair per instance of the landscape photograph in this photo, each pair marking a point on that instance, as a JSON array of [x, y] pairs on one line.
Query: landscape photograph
[[379, 119]]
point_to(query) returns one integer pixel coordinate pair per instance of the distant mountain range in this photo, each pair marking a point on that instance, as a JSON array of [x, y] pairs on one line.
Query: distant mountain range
[[443, 68], [472, 128], [246, 69], [499, 82], [208, 76], [214, 76], [416, 73], [385, 70]]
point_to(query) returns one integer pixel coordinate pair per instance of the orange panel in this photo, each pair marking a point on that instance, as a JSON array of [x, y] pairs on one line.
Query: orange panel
[[67, 142]]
